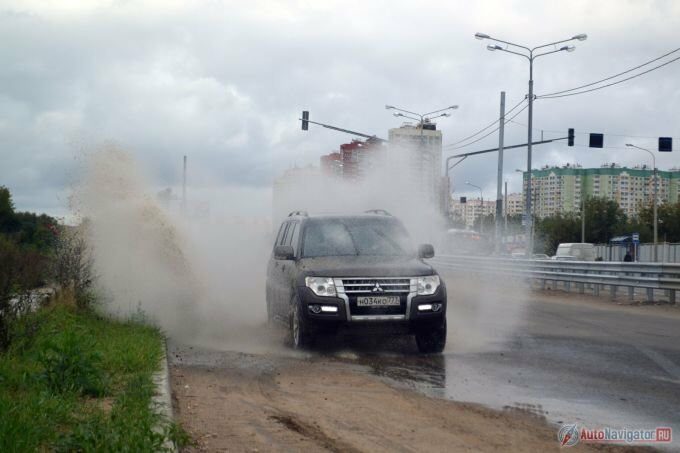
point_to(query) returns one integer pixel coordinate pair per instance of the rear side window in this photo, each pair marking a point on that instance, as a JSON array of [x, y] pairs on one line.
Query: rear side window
[[281, 235], [289, 233], [294, 235]]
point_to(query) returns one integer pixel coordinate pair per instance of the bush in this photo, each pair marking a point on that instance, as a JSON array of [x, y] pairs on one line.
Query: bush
[[73, 263], [21, 271]]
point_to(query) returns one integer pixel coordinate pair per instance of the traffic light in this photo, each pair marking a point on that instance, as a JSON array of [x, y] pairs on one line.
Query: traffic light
[[463, 199], [596, 140], [305, 120], [666, 144], [570, 137]]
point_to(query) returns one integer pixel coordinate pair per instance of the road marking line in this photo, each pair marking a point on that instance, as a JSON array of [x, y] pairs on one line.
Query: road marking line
[[668, 366]]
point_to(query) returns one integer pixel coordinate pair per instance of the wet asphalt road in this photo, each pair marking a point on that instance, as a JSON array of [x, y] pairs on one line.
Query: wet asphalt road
[[595, 363]]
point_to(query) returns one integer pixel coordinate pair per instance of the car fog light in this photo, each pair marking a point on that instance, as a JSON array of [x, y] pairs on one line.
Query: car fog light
[[436, 307], [329, 309], [316, 309], [425, 307]]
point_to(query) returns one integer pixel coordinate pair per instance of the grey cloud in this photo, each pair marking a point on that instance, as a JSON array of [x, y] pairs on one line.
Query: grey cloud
[[225, 83]]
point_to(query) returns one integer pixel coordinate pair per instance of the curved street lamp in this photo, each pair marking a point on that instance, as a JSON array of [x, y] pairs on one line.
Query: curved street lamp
[[656, 198], [530, 54], [421, 117]]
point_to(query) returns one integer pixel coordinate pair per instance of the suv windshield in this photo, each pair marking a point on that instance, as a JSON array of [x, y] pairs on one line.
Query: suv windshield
[[355, 236]]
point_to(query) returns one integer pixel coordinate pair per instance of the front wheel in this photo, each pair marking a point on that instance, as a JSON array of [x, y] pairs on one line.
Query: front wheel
[[432, 340], [300, 337]]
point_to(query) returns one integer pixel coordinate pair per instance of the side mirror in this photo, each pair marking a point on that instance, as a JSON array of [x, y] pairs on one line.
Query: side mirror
[[425, 251], [284, 252]]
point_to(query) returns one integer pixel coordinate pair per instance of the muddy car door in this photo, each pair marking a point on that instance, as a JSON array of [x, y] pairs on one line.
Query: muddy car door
[[273, 285], [289, 267]]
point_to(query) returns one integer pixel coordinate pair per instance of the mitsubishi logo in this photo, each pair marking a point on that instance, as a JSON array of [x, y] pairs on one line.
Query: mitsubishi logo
[[377, 288]]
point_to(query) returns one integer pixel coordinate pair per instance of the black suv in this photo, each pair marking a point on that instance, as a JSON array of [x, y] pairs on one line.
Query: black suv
[[354, 273]]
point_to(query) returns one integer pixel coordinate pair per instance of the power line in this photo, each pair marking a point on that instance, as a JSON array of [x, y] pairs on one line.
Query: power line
[[485, 128], [610, 84], [486, 135], [612, 77]]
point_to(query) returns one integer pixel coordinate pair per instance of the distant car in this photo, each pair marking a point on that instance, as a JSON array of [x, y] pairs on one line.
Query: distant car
[[466, 242], [576, 251], [540, 256], [354, 273]]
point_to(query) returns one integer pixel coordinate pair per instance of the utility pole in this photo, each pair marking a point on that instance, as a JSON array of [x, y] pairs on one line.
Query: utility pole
[[656, 200], [184, 184], [583, 216], [505, 210], [499, 177]]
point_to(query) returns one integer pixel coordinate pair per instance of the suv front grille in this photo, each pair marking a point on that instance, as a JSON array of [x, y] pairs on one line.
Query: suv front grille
[[356, 288], [376, 285]]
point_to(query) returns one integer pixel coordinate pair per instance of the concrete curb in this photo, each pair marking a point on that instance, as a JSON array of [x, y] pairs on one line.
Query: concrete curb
[[162, 399]]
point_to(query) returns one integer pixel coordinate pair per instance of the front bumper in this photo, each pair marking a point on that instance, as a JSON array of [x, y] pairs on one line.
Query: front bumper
[[410, 319]]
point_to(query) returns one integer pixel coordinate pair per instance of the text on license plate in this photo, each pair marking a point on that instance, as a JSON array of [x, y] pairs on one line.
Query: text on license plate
[[378, 301]]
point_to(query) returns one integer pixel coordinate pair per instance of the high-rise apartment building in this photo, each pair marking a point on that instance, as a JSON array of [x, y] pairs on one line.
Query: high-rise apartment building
[[421, 147], [354, 160], [469, 211], [561, 189], [515, 204]]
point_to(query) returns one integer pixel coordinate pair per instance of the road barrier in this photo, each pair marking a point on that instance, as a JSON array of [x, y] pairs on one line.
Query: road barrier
[[654, 278]]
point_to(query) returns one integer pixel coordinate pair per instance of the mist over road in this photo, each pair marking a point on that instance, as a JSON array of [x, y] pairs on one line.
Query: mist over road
[[536, 356]]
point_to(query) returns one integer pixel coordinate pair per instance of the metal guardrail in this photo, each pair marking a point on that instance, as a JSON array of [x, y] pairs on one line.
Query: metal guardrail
[[595, 275]]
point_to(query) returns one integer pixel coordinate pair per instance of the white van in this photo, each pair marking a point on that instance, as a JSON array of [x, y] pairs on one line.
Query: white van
[[575, 251]]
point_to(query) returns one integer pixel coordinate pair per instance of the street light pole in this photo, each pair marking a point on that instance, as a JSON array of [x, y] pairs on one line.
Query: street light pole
[[505, 211], [656, 199], [529, 54], [499, 177], [481, 197]]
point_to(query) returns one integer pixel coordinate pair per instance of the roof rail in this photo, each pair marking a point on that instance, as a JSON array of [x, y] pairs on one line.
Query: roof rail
[[378, 211], [300, 213]]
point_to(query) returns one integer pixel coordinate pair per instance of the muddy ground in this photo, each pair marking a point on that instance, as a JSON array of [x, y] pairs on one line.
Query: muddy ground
[[319, 405], [517, 365]]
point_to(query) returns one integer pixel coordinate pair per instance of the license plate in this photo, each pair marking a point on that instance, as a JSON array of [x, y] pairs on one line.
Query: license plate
[[378, 301]]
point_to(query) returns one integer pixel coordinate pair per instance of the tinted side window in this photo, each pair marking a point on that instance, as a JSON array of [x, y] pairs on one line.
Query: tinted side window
[[282, 232], [295, 235]]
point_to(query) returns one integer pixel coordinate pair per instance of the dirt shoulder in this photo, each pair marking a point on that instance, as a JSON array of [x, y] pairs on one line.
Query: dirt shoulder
[[311, 405]]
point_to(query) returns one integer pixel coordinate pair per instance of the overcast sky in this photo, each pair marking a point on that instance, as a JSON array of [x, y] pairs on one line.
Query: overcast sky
[[224, 83]]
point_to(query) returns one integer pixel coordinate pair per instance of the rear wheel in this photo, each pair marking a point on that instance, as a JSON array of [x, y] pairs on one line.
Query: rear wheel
[[432, 340], [299, 334]]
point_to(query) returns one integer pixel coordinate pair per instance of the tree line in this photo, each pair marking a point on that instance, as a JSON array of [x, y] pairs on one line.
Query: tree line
[[36, 251]]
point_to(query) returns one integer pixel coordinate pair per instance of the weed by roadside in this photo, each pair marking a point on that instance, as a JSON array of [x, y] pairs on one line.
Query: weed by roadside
[[74, 380]]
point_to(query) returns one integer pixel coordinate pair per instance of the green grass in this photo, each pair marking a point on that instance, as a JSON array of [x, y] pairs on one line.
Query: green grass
[[76, 381]]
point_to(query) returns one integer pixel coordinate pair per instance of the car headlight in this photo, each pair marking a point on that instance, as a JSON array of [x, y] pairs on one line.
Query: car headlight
[[322, 286], [428, 285]]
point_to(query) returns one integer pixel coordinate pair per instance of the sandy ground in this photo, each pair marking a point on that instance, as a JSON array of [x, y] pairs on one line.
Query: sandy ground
[[323, 406], [271, 399]]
